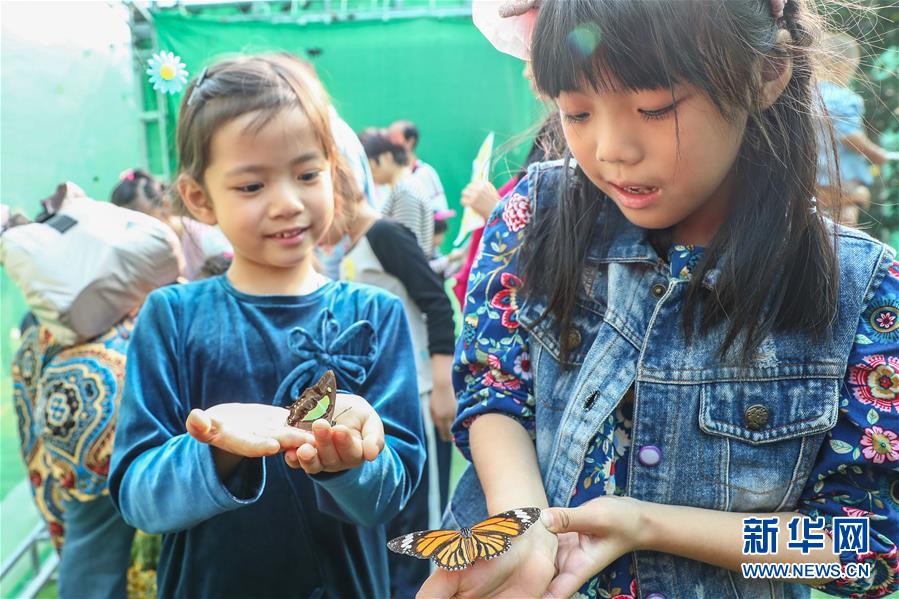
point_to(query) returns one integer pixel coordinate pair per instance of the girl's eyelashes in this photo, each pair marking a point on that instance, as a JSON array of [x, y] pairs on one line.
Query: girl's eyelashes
[[576, 118], [658, 113], [251, 188]]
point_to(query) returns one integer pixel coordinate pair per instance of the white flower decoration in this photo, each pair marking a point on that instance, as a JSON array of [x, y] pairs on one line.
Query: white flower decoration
[[167, 73]]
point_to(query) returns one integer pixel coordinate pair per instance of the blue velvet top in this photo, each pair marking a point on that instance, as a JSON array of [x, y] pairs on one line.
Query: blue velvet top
[[267, 531]]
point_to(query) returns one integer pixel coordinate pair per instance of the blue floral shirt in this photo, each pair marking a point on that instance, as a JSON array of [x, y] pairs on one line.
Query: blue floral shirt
[[856, 470]]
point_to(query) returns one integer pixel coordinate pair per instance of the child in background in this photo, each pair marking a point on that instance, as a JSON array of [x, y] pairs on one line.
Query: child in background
[[138, 190], [248, 506], [406, 202], [385, 254], [444, 265], [846, 188], [440, 228], [638, 348], [405, 134]]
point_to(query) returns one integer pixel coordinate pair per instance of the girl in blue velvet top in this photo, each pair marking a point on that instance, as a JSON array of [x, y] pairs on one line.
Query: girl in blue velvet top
[[663, 338], [248, 506]]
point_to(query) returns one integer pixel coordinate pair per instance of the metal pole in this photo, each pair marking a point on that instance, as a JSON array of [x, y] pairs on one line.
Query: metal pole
[[35, 557], [22, 549], [41, 578]]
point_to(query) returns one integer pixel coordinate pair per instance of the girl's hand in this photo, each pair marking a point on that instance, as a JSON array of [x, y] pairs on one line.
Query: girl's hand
[[239, 430], [525, 571], [443, 409], [591, 537], [357, 436], [244, 429], [480, 196]]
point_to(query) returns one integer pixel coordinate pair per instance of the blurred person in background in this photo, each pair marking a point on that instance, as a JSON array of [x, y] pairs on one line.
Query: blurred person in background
[[407, 201], [449, 264], [66, 397], [405, 133], [845, 112], [139, 190]]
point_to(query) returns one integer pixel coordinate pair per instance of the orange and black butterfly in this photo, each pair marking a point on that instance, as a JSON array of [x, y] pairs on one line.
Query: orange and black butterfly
[[458, 549]]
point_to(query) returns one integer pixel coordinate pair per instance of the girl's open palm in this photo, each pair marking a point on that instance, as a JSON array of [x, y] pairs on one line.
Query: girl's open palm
[[245, 429]]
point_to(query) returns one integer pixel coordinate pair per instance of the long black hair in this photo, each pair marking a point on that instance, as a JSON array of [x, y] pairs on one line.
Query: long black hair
[[776, 255]]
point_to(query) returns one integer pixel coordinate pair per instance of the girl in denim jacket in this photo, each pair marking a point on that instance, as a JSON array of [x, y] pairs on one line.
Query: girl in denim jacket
[[662, 336]]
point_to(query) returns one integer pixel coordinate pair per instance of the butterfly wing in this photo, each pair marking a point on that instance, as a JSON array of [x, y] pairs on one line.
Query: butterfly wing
[[423, 544], [330, 393], [315, 402], [493, 537], [458, 554], [447, 548], [511, 523], [488, 545]]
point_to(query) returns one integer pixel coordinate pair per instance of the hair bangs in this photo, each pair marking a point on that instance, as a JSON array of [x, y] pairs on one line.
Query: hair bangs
[[609, 45], [262, 86]]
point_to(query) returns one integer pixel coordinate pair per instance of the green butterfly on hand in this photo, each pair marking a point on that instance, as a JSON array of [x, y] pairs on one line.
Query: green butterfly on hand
[[315, 403]]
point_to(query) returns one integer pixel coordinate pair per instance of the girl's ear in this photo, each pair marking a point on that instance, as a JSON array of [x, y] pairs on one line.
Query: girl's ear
[[777, 70], [195, 199]]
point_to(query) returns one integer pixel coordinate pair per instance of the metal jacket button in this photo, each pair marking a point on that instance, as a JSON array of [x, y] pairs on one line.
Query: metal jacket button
[[649, 455], [756, 417], [658, 290], [655, 596], [572, 339]]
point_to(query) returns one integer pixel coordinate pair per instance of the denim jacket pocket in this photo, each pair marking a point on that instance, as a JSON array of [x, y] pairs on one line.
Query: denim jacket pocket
[[763, 437], [765, 411]]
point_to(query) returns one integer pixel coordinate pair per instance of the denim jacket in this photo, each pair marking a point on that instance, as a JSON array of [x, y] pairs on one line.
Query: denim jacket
[[750, 433]]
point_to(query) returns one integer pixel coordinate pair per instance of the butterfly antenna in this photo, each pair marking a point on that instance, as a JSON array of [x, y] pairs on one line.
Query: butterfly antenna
[[341, 414]]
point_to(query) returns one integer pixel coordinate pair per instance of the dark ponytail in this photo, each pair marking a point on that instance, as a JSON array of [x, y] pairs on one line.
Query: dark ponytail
[[135, 184]]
